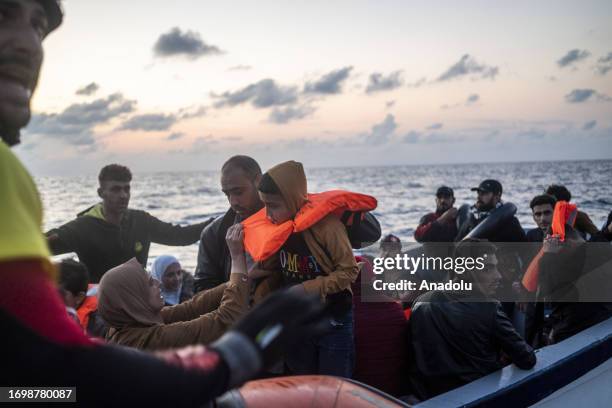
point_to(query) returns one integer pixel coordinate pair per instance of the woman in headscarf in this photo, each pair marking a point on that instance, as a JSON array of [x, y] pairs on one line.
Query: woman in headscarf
[[130, 302], [175, 284]]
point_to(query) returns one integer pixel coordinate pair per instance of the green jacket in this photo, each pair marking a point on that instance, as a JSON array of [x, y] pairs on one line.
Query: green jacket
[[101, 245]]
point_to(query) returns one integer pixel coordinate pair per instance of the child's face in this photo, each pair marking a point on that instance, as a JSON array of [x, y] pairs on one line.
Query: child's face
[[276, 208]]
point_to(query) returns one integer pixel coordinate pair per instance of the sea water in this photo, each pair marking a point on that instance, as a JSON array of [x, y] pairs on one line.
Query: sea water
[[404, 193]]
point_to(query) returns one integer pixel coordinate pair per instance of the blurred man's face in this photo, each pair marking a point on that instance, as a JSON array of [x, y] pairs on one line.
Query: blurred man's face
[[444, 202], [489, 278], [486, 201], [542, 215], [115, 195], [23, 24], [241, 191]]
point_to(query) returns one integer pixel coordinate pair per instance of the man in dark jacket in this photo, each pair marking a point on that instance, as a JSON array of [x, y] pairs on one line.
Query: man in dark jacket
[[240, 176], [542, 209], [439, 226], [489, 194], [575, 277], [458, 337], [109, 233]]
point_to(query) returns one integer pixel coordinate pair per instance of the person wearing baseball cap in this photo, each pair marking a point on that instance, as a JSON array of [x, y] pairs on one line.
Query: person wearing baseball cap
[[439, 226], [488, 198]]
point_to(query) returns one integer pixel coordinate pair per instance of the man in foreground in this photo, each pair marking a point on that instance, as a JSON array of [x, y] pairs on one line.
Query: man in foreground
[[458, 337]]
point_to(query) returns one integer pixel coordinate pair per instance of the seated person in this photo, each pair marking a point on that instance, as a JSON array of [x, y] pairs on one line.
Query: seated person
[[130, 302], [567, 275], [458, 337], [439, 226], [175, 284], [80, 298]]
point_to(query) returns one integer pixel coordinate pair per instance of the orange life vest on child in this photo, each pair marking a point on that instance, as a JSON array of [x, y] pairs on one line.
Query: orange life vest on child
[[263, 239], [565, 213]]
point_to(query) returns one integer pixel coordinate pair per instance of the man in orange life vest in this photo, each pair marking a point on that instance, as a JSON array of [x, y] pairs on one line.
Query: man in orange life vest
[[318, 260]]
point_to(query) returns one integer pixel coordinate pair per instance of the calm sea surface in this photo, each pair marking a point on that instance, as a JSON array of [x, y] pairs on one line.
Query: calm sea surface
[[404, 193]]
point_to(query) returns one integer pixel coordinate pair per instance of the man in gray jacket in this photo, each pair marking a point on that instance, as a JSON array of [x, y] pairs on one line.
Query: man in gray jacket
[[240, 176]]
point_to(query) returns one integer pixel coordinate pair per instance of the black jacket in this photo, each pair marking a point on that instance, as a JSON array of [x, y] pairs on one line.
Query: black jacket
[[454, 341], [101, 245], [559, 276], [214, 260]]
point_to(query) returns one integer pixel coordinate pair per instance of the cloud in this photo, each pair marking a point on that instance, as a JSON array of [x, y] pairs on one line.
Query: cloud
[[190, 113], [418, 83], [149, 122], [330, 83], [572, 57], [88, 89], [467, 65], [290, 113], [589, 125], [262, 94], [202, 144], [240, 68], [604, 64], [473, 98], [411, 137], [583, 95], [186, 44], [76, 123], [381, 132], [175, 136], [435, 126], [378, 82]]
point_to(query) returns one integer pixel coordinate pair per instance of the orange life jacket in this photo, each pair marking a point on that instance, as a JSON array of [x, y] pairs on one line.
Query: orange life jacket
[[89, 305], [263, 239], [565, 213]]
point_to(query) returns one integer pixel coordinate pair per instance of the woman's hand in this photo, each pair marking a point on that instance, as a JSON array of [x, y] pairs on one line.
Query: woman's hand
[[234, 237]]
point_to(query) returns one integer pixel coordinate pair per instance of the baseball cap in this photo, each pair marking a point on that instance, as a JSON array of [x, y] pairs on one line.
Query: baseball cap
[[489, 186], [445, 192]]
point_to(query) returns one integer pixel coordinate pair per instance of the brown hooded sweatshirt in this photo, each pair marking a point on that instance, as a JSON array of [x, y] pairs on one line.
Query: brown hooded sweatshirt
[[327, 240]]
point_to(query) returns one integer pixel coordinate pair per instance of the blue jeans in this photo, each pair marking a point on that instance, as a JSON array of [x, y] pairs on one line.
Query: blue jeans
[[333, 353]]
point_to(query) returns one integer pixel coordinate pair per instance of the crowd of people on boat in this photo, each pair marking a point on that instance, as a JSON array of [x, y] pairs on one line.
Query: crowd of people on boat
[[278, 287], [416, 343]]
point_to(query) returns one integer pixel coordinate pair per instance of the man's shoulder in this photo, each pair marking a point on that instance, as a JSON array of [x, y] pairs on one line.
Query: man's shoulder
[[535, 235], [431, 216], [222, 222]]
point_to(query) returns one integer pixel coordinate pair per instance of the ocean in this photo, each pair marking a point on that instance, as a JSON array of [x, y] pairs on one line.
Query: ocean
[[404, 193]]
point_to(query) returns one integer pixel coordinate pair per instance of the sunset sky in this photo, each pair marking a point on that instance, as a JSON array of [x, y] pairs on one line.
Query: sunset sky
[[183, 85]]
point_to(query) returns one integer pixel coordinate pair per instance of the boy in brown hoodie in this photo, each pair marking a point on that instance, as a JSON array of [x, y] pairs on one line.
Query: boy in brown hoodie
[[318, 260]]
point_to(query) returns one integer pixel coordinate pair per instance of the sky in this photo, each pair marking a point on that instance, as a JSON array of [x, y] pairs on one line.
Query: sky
[[184, 85]]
